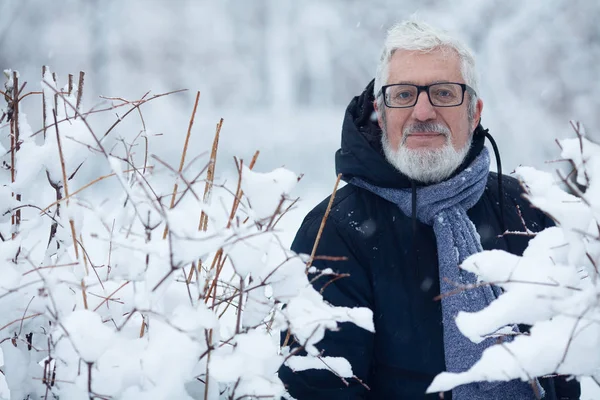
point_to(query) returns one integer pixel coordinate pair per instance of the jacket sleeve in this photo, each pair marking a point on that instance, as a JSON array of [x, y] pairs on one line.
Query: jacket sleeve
[[349, 341]]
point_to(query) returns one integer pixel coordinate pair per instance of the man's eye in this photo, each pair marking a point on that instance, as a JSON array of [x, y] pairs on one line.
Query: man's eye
[[444, 93], [404, 95]]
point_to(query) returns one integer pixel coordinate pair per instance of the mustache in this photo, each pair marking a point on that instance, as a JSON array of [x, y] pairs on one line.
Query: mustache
[[435, 127]]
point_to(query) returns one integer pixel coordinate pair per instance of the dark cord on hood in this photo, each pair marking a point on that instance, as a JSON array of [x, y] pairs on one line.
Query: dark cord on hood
[[500, 186]]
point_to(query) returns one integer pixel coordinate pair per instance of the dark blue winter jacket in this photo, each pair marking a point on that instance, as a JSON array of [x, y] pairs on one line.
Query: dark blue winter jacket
[[393, 266]]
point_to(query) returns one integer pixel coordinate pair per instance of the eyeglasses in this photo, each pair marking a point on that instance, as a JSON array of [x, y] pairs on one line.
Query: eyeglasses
[[403, 95]]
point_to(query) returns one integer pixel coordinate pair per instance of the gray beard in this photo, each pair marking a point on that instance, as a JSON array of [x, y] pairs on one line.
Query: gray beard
[[425, 165]]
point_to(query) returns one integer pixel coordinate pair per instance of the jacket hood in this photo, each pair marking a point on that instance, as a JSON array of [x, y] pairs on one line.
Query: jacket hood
[[361, 154]]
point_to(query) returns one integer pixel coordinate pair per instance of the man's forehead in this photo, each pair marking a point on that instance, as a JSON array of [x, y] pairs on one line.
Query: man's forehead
[[405, 82], [436, 66]]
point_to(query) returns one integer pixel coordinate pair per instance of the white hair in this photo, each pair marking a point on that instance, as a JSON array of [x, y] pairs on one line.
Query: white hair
[[414, 35]]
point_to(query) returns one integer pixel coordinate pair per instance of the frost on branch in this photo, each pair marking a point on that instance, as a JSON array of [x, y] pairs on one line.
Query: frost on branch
[[554, 286], [115, 287]]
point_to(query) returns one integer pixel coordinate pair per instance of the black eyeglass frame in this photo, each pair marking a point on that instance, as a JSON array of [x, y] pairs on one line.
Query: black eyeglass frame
[[425, 88]]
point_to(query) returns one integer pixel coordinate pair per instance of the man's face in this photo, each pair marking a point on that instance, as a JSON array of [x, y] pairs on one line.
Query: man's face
[[423, 69]]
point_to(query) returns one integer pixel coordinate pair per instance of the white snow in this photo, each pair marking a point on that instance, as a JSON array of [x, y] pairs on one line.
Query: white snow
[[116, 306], [554, 286], [339, 365], [265, 191]]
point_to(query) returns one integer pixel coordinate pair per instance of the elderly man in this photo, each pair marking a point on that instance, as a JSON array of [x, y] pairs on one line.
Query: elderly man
[[420, 199]]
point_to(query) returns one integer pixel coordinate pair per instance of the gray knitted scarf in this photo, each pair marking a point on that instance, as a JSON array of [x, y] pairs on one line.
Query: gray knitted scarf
[[444, 205]]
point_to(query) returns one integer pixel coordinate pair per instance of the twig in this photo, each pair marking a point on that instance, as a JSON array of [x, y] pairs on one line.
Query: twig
[[594, 264], [28, 93], [189, 185], [191, 274], [83, 144], [83, 293], [238, 194], [301, 347], [70, 85], [287, 209], [85, 258], [208, 335], [536, 391], [571, 337], [90, 393], [24, 312], [164, 278], [65, 185], [136, 106], [20, 320], [110, 249], [44, 116], [183, 153], [215, 261], [322, 227], [106, 298], [143, 327], [276, 213], [100, 110], [187, 284], [238, 324], [22, 88], [331, 258], [332, 370], [237, 383], [48, 267], [83, 188], [55, 91], [462, 288], [14, 148], [210, 177], [16, 289], [80, 90], [339, 276], [179, 175], [111, 295], [232, 297], [573, 188], [220, 265], [578, 130]]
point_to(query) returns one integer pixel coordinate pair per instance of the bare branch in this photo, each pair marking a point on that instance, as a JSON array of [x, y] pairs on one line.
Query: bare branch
[[323, 221]]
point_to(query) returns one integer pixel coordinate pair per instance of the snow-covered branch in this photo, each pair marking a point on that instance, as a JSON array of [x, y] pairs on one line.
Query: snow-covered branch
[[553, 287], [143, 281]]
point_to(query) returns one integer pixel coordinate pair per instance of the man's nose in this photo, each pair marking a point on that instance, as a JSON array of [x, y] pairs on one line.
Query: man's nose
[[423, 110]]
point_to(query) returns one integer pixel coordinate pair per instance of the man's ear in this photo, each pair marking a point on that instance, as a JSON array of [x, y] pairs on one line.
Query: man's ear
[[378, 111], [477, 116]]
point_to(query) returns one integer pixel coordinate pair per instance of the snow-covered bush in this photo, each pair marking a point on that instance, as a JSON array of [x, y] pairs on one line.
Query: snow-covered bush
[[554, 286], [119, 286]]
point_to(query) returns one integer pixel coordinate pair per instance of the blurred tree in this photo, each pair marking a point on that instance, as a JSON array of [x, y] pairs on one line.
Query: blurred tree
[[538, 61]]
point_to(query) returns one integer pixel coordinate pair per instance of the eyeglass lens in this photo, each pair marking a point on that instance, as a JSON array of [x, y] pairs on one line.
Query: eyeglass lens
[[440, 94]]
